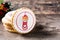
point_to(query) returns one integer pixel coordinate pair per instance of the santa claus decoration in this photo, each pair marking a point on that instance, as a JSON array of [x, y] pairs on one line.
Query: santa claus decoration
[[24, 25]]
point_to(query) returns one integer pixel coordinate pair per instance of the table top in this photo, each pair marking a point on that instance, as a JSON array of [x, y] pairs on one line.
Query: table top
[[36, 35]]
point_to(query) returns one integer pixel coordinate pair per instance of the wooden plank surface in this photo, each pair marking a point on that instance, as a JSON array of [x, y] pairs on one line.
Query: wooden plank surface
[[45, 20]]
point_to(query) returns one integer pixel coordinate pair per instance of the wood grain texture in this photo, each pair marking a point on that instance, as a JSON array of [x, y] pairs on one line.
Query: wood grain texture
[[38, 6]]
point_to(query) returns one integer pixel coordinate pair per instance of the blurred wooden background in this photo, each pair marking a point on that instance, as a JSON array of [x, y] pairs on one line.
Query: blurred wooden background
[[38, 6]]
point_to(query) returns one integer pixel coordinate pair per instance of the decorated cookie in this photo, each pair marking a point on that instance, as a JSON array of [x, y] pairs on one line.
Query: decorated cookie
[[7, 22], [23, 20]]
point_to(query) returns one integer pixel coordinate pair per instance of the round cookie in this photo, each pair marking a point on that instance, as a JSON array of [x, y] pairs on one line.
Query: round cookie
[[9, 27], [7, 22], [23, 20]]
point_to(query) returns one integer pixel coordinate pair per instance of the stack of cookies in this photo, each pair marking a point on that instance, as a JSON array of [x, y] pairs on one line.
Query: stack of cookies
[[21, 20]]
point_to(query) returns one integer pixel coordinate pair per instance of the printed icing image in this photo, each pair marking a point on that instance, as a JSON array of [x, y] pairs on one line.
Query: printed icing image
[[24, 24], [24, 20]]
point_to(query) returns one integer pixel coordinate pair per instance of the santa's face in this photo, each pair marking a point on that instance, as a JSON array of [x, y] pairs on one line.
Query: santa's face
[[25, 18]]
